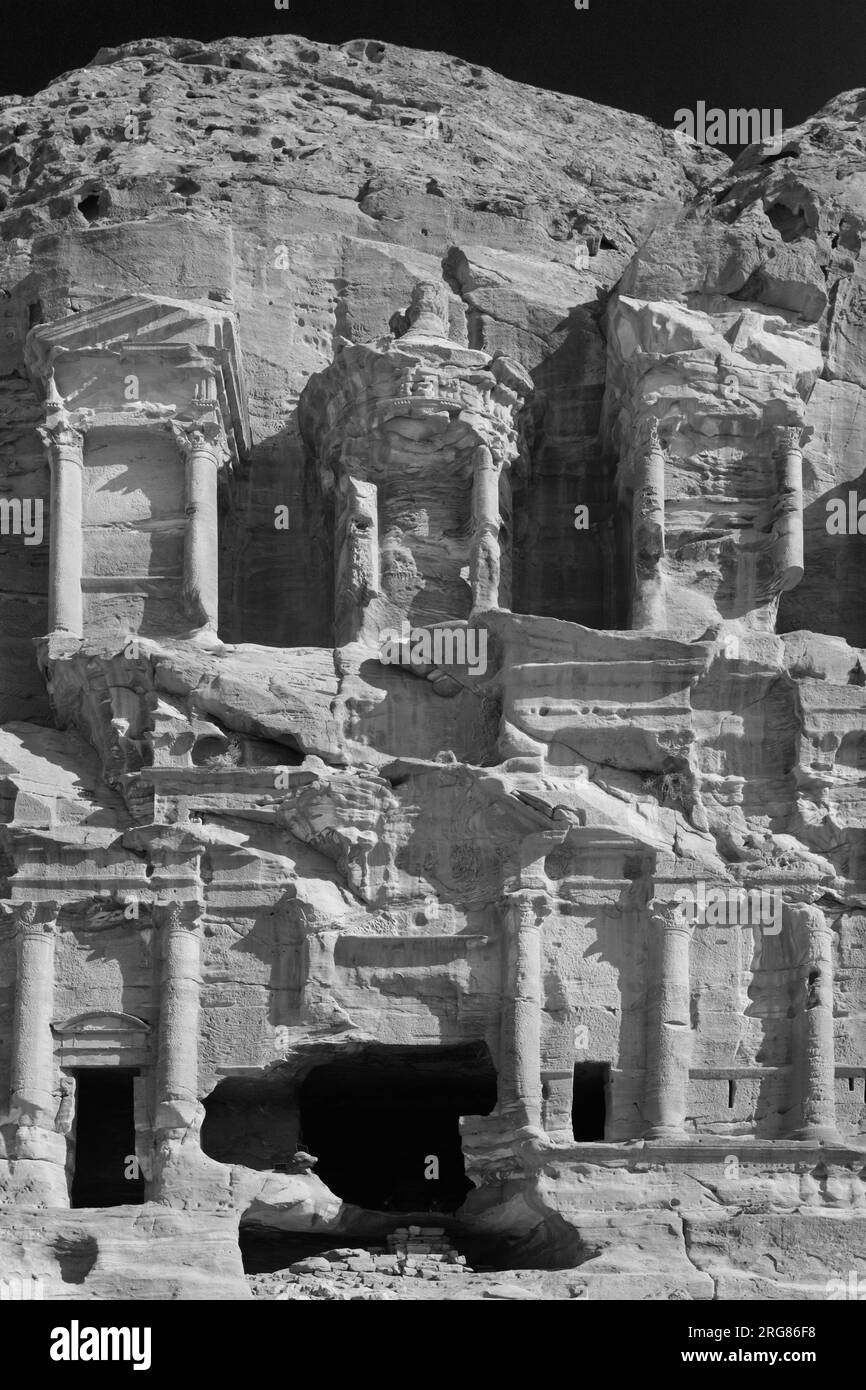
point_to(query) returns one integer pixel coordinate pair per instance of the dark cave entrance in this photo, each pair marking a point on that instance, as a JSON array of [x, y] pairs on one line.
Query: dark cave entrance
[[589, 1100], [384, 1124], [105, 1140]]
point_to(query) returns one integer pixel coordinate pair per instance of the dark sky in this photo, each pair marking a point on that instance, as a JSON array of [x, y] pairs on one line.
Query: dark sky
[[650, 56]]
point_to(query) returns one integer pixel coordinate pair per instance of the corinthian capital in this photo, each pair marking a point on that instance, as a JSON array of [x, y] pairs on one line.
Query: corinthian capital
[[788, 439], [667, 915], [37, 919], [654, 444], [176, 916], [64, 430], [200, 437]]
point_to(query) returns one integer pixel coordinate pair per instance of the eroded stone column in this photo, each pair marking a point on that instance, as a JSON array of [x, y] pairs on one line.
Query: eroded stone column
[[788, 527], [179, 928], [32, 1080], [520, 1060], [815, 1066], [669, 1032], [64, 442], [357, 555], [648, 534], [204, 451], [485, 556]]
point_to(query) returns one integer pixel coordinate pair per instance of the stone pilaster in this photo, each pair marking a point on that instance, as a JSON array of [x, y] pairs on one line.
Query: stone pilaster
[[669, 1033], [204, 451], [815, 1064], [32, 1088], [788, 526], [520, 1046], [63, 437], [648, 534], [179, 927], [485, 556]]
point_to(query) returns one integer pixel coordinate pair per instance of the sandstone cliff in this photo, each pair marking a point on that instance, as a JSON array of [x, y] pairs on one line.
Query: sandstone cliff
[[437, 314]]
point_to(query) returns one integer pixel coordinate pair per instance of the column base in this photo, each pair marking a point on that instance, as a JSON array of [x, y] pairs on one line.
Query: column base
[[818, 1134], [59, 643], [665, 1134]]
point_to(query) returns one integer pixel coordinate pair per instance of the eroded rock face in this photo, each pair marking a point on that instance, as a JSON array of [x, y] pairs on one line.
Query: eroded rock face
[[434, 714]]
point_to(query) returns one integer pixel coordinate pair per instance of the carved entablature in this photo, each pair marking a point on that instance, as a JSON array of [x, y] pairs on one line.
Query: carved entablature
[[145, 405], [142, 360]]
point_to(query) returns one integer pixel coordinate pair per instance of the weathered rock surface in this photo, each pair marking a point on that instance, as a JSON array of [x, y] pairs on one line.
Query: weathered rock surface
[[146, 1252], [303, 347]]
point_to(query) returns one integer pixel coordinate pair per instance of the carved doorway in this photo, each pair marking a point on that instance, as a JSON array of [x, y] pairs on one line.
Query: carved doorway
[[106, 1172]]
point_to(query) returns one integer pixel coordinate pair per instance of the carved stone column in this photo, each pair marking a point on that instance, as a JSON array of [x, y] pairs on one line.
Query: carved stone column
[[648, 534], [357, 555], [203, 448], [485, 555], [788, 527], [520, 1052], [815, 1065], [32, 1080], [177, 1076], [669, 1033], [64, 442]]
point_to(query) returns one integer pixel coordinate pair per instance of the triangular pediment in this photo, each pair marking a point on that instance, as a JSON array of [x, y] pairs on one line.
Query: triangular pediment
[[142, 319], [192, 347]]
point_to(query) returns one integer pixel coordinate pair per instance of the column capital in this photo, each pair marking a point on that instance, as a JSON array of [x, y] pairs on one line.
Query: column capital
[[178, 916], [37, 919], [667, 913], [788, 439], [526, 907], [653, 443], [201, 438], [489, 455], [62, 433]]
